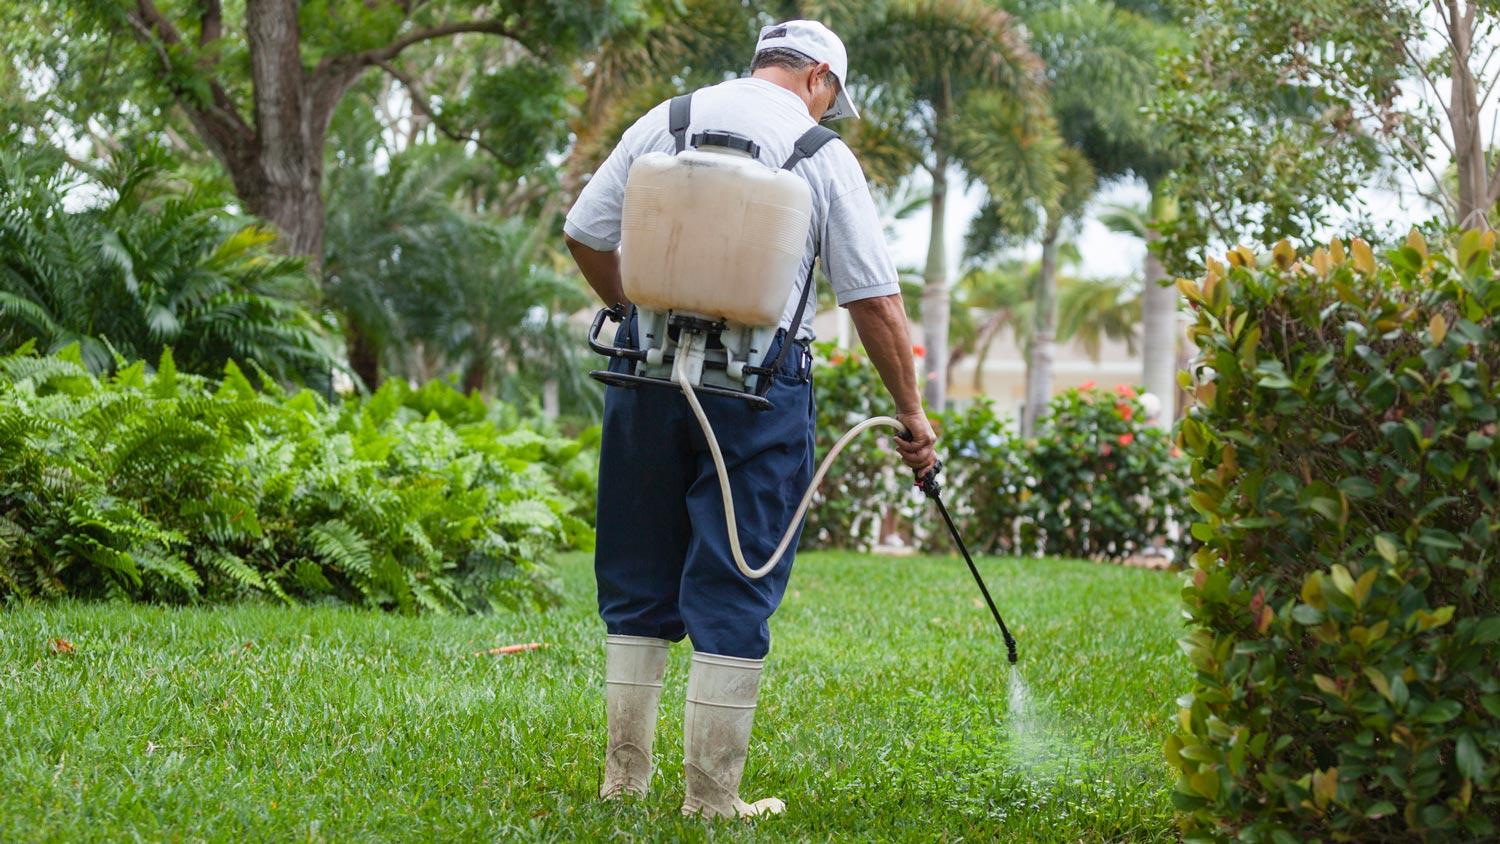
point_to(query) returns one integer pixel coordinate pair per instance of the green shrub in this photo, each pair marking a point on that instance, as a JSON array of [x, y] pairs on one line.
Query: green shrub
[[169, 486], [986, 481], [1346, 626], [147, 267], [1094, 483], [1105, 486], [864, 482]]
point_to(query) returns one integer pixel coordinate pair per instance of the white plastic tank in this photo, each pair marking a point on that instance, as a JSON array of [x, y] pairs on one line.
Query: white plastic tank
[[713, 231]]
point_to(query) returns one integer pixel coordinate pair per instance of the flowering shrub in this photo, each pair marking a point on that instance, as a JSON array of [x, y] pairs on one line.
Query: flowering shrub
[[1095, 482], [1103, 485]]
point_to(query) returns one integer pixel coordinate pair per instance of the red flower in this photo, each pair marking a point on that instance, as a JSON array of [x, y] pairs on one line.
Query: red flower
[[1127, 439], [919, 351], [1125, 390], [836, 359], [1106, 450], [1125, 411], [1089, 386]]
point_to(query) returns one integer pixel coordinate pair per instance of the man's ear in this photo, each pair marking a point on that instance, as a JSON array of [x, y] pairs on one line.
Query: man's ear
[[820, 71]]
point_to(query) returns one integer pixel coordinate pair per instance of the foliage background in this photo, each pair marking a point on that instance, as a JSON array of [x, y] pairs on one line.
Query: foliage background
[[170, 486], [1346, 472]]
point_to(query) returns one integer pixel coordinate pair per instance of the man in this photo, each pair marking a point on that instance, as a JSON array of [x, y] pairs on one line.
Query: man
[[663, 561]]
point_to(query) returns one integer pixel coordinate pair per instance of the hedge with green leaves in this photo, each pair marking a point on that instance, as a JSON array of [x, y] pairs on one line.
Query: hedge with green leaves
[[1094, 483], [169, 486], [1346, 622], [866, 479]]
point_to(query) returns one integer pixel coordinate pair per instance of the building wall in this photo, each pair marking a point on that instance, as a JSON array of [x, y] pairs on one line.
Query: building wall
[[1002, 376]]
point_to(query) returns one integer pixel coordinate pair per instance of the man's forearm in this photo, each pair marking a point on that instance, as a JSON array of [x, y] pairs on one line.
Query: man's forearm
[[601, 270], [881, 323]]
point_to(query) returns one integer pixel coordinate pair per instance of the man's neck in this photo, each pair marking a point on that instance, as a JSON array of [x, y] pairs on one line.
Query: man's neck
[[783, 78]]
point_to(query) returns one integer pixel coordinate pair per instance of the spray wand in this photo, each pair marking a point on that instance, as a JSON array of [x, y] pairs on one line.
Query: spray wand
[[930, 487]]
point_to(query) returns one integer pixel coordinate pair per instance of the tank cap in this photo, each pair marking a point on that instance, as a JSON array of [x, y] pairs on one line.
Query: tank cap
[[728, 140]]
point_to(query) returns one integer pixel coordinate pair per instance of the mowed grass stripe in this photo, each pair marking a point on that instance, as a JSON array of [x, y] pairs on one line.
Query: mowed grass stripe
[[884, 717]]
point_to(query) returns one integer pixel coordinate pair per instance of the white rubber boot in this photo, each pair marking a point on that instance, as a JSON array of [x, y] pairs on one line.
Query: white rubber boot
[[721, 695], [633, 668]]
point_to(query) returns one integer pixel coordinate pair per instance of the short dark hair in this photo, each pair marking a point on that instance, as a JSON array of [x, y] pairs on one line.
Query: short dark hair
[[781, 57]]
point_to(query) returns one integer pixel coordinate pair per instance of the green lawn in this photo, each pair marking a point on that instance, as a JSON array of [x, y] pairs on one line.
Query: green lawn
[[886, 716]]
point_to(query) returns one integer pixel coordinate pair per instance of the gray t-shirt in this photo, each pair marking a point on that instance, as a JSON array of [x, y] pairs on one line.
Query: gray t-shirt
[[846, 229]]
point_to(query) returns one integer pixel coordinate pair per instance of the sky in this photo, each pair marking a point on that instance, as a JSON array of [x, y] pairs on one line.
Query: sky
[[1105, 254]]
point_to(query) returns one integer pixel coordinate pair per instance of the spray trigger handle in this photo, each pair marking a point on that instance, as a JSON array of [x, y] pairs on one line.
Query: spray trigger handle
[[927, 483]]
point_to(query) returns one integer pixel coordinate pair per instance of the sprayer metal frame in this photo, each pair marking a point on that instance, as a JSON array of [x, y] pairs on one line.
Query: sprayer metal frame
[[683, 322]]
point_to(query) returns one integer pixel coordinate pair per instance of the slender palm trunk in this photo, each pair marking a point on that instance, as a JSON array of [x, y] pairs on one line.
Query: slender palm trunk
[[935, 274], [1043, 333], [1159, 334]]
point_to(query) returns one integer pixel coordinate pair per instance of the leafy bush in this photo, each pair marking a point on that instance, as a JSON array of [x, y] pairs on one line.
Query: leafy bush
[[986, 481], [863, 484], [1347, 472], [1094, 482], [169, 486], [1104, 486], [149, 267]]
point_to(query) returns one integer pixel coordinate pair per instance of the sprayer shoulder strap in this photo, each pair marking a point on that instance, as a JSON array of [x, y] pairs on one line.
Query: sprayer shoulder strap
[[679, 114], [808, 145]]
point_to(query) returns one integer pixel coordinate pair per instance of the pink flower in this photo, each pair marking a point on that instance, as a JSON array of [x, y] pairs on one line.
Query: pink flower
[[1089, 386], [1127, 439], [1125, 390], [1106, 450]]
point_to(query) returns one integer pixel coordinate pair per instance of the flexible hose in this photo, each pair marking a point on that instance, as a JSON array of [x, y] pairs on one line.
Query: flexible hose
[[786, 539]]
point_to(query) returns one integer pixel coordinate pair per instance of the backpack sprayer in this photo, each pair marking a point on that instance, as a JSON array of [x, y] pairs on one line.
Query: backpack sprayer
[[710, 279]]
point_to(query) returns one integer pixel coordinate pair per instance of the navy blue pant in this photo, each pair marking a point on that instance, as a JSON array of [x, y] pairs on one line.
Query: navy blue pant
[[662, 558]]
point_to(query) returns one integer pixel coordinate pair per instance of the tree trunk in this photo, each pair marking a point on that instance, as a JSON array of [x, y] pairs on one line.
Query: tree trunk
[[1159, 334], [1043, 332], [551, 399], [935, 275], [1463, 116], [364, 358], [935, 294], [475, 375]]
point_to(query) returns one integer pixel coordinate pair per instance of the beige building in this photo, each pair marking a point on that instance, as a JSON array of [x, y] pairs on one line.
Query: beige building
[[1002, 374]]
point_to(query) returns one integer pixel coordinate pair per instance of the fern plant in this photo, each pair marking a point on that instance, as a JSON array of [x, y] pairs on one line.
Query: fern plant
[[165, 485], [146, 267]]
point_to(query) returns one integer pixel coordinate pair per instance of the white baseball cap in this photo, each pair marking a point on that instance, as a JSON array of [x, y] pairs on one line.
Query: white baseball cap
[[817, 42]]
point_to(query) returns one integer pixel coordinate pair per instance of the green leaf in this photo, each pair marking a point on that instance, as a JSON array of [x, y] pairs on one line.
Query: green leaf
[[1470, 760]]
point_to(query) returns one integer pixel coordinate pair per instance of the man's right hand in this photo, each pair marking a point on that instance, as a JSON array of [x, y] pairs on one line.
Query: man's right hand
[[917, 452]]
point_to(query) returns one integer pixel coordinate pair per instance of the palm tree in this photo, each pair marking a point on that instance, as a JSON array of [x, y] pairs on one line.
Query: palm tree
[[1101, 66], [389, 242], [157, 264], [502, 319], [1159, 301], [1003, 297], [945, 61]]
